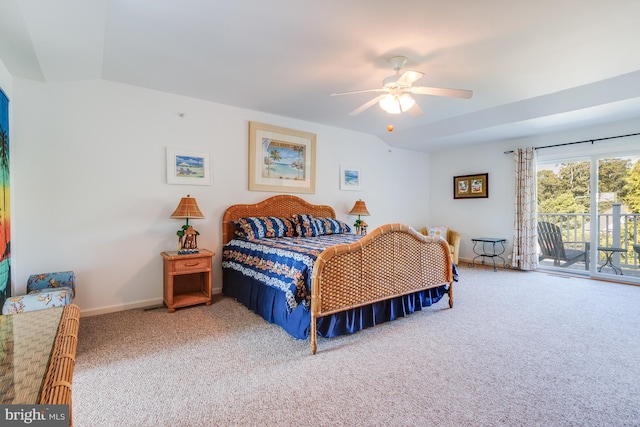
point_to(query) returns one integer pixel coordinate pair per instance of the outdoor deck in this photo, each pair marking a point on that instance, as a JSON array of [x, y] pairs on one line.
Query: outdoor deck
[[578, 268], [614, 230]]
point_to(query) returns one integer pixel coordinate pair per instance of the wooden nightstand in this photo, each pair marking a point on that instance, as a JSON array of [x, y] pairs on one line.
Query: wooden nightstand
[[187, 279]]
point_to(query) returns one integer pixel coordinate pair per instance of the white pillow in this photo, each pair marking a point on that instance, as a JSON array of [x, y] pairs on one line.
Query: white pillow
[[440, 231]]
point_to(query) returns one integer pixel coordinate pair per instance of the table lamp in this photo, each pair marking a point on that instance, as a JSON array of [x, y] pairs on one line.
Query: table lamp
[[187, 236], [360, 208]]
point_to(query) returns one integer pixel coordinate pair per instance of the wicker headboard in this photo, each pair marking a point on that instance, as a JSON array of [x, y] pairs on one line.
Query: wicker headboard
[[282, 206]]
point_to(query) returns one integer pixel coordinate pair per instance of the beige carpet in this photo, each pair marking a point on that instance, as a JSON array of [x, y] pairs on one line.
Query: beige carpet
[[517, 349]]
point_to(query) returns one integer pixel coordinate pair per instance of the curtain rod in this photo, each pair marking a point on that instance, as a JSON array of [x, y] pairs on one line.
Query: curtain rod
[[579, 142]]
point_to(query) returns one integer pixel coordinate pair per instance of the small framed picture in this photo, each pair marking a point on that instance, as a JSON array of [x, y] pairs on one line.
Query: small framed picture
[[188, 167], [471, 186], [350, 178]]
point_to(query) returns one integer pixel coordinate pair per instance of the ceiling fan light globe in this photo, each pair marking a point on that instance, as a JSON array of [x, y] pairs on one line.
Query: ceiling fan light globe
[[390, 104], [406, 102], [396, 104]]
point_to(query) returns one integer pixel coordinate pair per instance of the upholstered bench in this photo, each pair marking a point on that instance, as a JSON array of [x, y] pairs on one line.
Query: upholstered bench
[[43, 291]]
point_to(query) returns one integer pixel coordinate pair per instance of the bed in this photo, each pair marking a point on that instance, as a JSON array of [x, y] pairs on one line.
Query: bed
[[330, 284]]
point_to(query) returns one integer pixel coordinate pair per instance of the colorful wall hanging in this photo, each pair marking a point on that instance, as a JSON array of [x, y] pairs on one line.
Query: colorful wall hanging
[[5, 223]]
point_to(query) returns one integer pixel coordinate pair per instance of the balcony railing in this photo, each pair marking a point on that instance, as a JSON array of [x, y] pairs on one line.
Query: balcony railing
[[615, 229]]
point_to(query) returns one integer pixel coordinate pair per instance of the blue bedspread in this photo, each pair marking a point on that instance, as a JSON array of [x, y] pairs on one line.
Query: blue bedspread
[[284, 263]]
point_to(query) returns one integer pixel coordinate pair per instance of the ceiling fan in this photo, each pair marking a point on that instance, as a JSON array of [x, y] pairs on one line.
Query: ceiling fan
[[398, 89]]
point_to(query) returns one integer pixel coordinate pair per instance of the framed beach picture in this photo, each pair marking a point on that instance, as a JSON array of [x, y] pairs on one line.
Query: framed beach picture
[[471, 186], [281, 160], [188, 167], [350, 178]]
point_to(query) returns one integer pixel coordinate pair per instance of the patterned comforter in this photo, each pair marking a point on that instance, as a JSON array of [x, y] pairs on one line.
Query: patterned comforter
[[284, 263]]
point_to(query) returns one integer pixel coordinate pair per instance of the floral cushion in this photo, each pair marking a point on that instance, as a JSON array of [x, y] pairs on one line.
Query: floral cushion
[[306, 226], [331, 226], [37, 300], [252, 228], [48, 281]]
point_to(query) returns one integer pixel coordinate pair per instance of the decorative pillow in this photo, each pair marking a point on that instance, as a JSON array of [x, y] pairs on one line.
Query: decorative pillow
[[305, 225], [327, 225], [260, 227], [438, 231]]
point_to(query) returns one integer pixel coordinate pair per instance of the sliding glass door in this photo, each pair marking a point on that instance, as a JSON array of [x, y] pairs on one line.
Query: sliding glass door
[[588, 215], [564, 218], [618, 209]]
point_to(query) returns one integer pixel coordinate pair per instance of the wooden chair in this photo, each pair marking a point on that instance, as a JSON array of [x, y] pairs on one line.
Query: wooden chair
[[552, 247]]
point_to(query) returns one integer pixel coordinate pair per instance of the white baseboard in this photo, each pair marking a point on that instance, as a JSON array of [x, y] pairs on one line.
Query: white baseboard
[[130, 306], [464, 261], [121, 307]]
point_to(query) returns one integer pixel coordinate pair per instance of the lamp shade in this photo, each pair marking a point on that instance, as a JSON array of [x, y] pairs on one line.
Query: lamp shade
[[359, 209], [187, 208]]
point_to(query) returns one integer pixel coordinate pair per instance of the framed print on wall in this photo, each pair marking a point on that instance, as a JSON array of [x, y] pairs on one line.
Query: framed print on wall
[[471, 186], [281, 159], [188, 167], [350, 178]]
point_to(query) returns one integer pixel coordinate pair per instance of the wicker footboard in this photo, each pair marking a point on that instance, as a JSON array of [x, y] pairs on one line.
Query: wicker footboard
[[56, 389], [391, 261]]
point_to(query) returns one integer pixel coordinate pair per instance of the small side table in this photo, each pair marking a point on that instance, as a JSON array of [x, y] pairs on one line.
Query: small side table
[[187, 279], [489, 250], [608, 252]]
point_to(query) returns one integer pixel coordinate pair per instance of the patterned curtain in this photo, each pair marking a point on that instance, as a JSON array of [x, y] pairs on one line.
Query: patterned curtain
[[5, 223], [525, 238]]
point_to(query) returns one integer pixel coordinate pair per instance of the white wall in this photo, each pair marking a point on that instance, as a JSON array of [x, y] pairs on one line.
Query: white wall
[[494, 216], [90, 192], [490, 217], [6, 81]]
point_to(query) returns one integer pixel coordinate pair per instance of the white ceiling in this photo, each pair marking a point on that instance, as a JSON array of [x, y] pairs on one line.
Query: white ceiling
[[534, 66]]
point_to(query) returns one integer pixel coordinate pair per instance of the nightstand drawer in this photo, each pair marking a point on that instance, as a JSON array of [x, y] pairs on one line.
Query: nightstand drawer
[[192, 264]]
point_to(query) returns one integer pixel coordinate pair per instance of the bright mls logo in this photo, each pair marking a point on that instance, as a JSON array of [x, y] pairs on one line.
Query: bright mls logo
[[34, 415]]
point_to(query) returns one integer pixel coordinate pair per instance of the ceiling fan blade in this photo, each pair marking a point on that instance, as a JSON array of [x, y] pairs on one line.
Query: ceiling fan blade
[[415, 111], [360, 91], [409, 77], [455, 93], [369, 104]]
